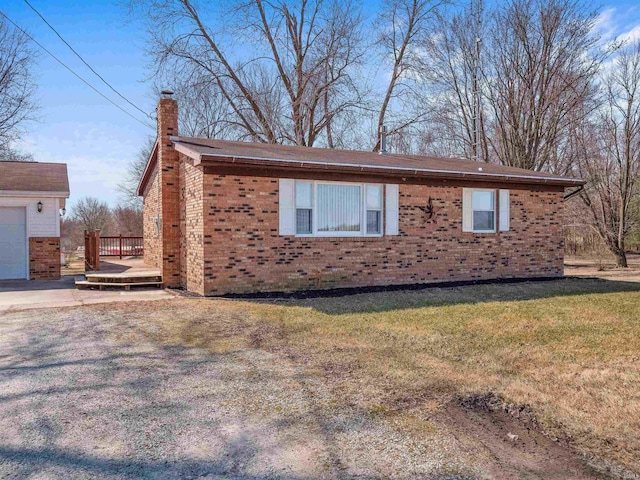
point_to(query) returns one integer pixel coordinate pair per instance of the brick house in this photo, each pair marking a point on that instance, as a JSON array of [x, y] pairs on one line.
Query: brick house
[[31, 197], [226, 217]]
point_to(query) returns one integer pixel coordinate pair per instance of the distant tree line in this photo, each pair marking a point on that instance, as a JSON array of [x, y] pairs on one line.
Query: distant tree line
[[90, 214]]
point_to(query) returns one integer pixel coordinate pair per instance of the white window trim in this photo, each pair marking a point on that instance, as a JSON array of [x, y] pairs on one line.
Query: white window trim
[[495, 205], [363, 211]]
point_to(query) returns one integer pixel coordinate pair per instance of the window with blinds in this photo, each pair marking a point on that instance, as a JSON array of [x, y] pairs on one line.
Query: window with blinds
[[338, 209], [484, 210]]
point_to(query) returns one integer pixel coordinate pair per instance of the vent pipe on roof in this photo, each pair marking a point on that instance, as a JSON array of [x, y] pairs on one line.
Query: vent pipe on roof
[[166, 93], [383, 140]]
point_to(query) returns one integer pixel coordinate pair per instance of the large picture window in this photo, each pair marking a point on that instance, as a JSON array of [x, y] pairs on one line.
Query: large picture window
[[338, 209]]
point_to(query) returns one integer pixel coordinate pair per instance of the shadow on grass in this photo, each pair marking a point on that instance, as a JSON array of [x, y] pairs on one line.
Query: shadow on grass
[[379, 299], [31, 461]]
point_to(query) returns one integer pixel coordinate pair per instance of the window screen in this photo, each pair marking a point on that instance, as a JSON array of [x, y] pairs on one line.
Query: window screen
[[374, 209], [304, 208], [484, 211]]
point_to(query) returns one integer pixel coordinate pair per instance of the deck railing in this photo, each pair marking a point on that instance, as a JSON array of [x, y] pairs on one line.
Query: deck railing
[[121, 246]]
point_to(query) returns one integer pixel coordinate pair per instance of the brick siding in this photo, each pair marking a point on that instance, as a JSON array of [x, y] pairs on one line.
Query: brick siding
[[192, 237], [44, 258], [168, 163], [152, 237], [244, 253]]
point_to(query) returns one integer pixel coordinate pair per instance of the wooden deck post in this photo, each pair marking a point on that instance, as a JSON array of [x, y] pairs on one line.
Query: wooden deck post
[[92, 249], [96, 249]]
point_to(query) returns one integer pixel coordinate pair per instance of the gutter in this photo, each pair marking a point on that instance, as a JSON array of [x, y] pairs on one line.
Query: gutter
[[199, 157], [33, 194]]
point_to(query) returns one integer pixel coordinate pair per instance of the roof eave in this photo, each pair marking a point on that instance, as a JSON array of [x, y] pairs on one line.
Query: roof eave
[[34, 193], [380, 170], [147, 170]]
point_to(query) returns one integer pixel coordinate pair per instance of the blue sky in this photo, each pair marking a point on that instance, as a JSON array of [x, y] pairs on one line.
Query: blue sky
[[94, 138], [76, 125]]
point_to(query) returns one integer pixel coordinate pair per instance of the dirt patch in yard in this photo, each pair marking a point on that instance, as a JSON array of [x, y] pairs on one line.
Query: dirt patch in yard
[[513, 436]]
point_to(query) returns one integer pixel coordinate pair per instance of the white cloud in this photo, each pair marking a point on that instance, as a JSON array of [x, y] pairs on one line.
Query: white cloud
[[618, 24], [631, 35], [606, 24], [96, 155]]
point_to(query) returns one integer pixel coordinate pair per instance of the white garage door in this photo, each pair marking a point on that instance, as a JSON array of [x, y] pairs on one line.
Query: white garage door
[[13, 243]]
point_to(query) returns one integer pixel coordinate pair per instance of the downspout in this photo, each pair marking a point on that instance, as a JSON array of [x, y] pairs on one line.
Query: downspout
[[574, 193]]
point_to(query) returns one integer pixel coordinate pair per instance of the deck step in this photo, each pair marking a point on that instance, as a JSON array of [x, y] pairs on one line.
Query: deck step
[[80, 284], [122, 278]]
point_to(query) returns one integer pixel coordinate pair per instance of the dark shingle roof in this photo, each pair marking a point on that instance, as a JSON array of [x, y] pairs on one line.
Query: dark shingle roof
[[217, 151], [292, 159], [34, 177]]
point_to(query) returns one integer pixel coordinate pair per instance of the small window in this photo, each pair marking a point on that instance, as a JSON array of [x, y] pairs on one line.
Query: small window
[[374, 209], [484, 211], [304, 208]]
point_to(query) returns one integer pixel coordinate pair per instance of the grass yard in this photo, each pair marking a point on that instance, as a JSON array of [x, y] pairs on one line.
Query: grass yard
[[569, 349]]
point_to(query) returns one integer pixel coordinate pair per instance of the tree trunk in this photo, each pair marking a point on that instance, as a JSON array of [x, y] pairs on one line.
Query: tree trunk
[[621, 259]]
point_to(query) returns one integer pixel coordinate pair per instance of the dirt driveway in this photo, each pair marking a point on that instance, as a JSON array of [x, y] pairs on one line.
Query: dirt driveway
[[77, 402]]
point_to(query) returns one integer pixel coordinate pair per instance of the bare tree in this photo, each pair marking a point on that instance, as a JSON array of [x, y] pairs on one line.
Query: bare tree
[[71, 235], [92, 214], [454, 68], [543, 61], [10, 154], [128, 220], [509, 83], [204, 112], [401, 25], [611, 156], [295, 75], [17, 87], [128, 187]]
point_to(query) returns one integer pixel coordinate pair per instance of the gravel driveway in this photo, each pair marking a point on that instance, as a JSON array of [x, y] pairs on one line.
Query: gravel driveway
[[76, 401]]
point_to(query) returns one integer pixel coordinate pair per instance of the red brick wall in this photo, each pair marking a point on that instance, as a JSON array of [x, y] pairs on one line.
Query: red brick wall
[[243, 251], [44, 258], [191, 227], [152, 238], [168, 164]]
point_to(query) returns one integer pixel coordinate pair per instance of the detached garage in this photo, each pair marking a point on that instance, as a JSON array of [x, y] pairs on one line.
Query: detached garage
[[32, 194]]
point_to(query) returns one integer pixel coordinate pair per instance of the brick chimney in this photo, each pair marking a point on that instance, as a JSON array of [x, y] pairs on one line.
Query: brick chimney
[[168, 166]]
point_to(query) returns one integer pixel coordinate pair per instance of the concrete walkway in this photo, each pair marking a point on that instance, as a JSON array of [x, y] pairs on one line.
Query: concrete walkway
[[26, 294]]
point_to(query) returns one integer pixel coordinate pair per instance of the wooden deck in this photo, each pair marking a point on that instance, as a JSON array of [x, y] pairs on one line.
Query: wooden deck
[[129, 266], [126, 273]]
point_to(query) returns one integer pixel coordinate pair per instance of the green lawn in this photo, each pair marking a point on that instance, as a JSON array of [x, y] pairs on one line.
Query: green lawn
[[570, 349]]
